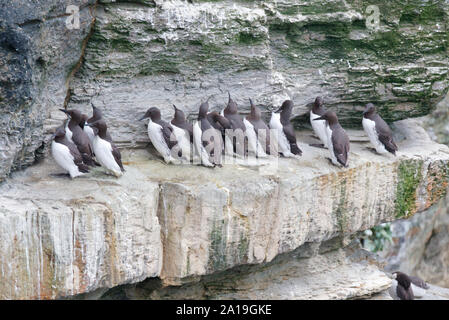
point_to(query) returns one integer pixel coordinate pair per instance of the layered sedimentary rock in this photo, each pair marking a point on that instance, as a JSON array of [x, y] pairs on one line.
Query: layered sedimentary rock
[[62, 237], [38, 55], [155, 53]]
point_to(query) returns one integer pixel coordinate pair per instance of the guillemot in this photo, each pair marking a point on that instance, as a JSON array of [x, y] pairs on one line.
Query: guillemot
[[183, 131], [319, 127], [257, 132], [67, 155], [105, 151], [378, 131], [337, 139], [78, 136], [161, 135], [280, 121]]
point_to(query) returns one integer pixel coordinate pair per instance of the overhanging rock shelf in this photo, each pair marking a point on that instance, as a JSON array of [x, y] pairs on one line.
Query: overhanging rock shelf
[[61, 237]]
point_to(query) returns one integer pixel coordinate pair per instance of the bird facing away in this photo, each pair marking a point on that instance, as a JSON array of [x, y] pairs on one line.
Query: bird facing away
[[105, 151], [378, 131], [67, 155], [183, 131], [97, 114], [78, 136], [280, 121], [403, 288], [161, 135], [319, 127], [236, 142], [337, 139], [257, 132]]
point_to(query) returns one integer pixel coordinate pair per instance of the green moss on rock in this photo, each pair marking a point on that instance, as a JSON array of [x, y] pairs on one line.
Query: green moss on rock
[[409, 178]]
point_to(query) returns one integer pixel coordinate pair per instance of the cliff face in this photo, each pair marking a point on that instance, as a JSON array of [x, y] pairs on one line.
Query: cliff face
[[38, 54], [178, 223], [59, 238], [155, 53]]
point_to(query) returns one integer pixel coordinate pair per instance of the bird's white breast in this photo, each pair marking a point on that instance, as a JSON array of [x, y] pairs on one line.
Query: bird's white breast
[[157, 139], [253, 144], [183, 138], [201, 151], [284, 145], [370, 128], [103, 153], [319, 127], [90, 133], [330, 145], [64, 158]]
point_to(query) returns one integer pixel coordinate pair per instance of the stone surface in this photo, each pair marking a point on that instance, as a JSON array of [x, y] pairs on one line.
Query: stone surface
[[421, 245], [37, 57], [61, 237], [306, 273], [156, 53]]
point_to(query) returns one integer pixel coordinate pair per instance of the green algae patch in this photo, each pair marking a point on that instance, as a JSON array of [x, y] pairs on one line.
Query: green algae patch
[[409, 178]]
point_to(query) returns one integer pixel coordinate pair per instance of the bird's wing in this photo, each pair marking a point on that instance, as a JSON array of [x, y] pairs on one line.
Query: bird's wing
[[117, 156], [290, 134], [341, 147], [385, 135]]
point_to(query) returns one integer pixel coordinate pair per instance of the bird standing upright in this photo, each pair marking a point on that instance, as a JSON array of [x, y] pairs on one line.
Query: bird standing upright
[[378, 131], [337, 139], [280, 121]]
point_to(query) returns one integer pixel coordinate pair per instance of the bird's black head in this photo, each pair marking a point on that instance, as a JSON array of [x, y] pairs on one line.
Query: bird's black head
[[231, 108], [153, 113], [73, 114], [329, 116], [59, 133], [255, 111], [403, 279], [99, 127], [204, 108], [179, 115], [318, 101], [369, 109]]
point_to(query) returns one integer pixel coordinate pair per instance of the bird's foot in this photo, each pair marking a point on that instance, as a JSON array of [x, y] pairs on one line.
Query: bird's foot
[[317, 145]]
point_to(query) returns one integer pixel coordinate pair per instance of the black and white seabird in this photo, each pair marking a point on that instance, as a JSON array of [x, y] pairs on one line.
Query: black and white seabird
[[337, 139], [67, 155], [237, 126], [183, 131], [405, 287], [257, 132], [78, 136], [161, 134], [208, 140], [97, 114], [280, 121], [107, 154], [319, 126], [378, 131]]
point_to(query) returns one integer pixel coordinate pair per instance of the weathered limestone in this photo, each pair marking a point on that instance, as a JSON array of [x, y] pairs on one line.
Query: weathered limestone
[[310, 272], [38, 55], [155, 53], [182, 222]]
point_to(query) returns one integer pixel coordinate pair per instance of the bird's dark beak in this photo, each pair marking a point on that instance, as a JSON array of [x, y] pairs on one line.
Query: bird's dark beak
[[280, 109], [320, 118], [53, 136], [65, 111], [144, 117], [175, 107]]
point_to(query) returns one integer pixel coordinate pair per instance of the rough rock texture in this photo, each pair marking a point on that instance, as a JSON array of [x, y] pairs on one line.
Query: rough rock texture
[[421, 245], [310, 272], [37, 57], [61, 237], [155, 53]]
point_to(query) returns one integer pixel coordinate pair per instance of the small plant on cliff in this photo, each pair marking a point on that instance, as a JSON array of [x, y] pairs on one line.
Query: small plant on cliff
[[377, 237]]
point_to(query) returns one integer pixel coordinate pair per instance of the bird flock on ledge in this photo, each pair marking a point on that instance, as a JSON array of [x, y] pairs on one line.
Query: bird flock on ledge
[[83, 142]]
